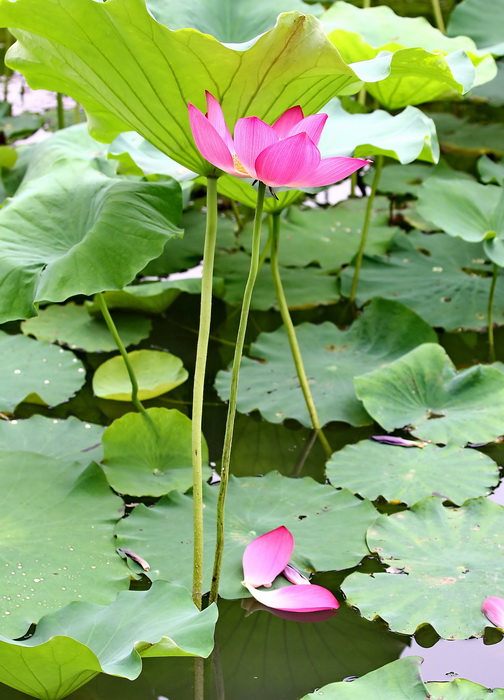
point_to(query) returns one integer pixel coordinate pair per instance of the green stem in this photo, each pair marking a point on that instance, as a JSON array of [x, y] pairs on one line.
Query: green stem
[[228, 437], [365, 228], [438, 16], [117, 339], [237, 215], [59, 110], [491, 345], [366, 4], [199, 678], [274, 226], [298, 468], [199, 386]]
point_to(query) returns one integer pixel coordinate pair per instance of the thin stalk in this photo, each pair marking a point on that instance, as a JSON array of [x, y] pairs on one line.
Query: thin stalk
[[120, 346], [274, 226], [228, 437], [366, 4], [59, 110], [438, 16], [199, 678], [365, 228], [237, 215], [491, 345], [76, 113], [304, 454], [199, 386]]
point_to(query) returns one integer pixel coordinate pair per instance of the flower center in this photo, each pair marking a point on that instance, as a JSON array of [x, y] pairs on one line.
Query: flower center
[[238, 165]]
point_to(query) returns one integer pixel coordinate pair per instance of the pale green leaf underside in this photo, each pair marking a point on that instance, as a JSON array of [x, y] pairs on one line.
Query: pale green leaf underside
[[74, 644], [423, 390], [460, 689], [452, 560], [332, 358], [409, 474], [254, 506]]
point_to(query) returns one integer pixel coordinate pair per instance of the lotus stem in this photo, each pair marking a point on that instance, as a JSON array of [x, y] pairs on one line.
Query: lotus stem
[[120, 346], [59, 110], [199, 678], [365, 228], [237, 215], [274, 227], [438, 16], [199, 386], [228, 437], [491, 345], [366, 4]]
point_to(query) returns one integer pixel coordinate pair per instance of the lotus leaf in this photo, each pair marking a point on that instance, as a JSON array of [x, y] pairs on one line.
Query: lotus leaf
[[314, 513], [74, 644], [36, 371], [483, 23], [268, 380], [157, 372], [58, 542], [149, 455], [443, 563], [460, 689], [422, 389]]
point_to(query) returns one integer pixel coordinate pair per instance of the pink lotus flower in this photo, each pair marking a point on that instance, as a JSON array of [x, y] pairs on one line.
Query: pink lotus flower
[[267, 557], [282, 155], [493, 608]]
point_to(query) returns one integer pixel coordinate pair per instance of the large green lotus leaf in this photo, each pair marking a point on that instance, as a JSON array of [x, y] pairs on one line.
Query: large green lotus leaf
[[36, 371], [451, 560], [492, 92], [77, 231], [153, 297], [406, 179], [332, 358], [423, 390], [445, 281], [139, 156], [480, 21], [467, 209], [72, 439], [404, 137], [315, 513], [304, 287], [396, 681], [460, 689], [183, 253], [150, 455], [74, 644], [144, 75], [424, 64], [458, 135], [72, 325], [328, 237], [490, 171], [230, 21], [408, 474], [156, 371], [74, 143], [58, 541]]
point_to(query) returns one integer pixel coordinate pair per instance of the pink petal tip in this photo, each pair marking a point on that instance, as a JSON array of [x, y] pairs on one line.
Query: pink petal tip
[[267, 556], [493, 609]]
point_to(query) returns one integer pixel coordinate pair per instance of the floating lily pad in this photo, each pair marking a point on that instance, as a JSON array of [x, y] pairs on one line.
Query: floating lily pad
[[482, 22], [72, 645], [460, 689], [269, 383], [445, 281], [58, 545], [77, 231], [490, 171], [36, 371], [396, 681], [304, 287], [451, 561], [72, 325], [458, 135], [408, 474], [423, 390], [329, 237], [423, 63], [150, 456], [315, 513], [157, 372], [404, 137], [72, 439]]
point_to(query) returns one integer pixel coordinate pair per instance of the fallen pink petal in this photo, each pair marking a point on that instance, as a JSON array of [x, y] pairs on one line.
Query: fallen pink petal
[[267, 556], [493, 609], [295, 576], [282, 155], [300, 599]]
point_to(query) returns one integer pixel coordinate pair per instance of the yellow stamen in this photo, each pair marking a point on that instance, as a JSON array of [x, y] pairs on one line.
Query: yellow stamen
[[238, 165]]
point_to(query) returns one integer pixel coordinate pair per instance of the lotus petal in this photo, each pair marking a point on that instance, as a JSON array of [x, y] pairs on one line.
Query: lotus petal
[[267, 556], [300, 599]]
